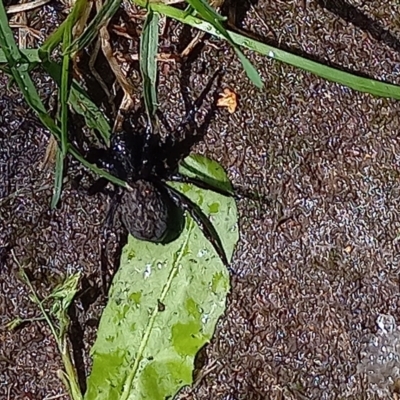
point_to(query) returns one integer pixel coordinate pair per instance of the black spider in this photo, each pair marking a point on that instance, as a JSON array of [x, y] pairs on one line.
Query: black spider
[[151, 208]]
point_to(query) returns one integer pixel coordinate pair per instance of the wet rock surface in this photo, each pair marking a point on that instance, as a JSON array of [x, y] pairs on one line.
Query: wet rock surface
[[317, 265]]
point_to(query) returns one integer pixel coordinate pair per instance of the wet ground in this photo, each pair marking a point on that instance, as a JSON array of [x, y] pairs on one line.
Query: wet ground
[[316, 268]]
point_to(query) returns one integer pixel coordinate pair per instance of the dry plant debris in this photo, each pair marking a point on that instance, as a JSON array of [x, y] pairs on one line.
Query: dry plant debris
[[228, 99]]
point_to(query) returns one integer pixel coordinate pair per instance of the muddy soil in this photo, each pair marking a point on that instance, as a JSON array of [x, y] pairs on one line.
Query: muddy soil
[[314, 306]]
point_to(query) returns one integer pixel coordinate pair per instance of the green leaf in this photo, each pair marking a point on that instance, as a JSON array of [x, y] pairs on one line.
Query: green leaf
[[209, 171], [163, 306]]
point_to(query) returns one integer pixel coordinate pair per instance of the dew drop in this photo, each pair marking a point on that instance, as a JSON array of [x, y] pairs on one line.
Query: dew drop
[[147, 271], [202, 253], [205, 318]]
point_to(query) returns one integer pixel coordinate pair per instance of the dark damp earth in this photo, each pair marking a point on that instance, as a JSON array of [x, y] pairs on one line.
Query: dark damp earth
[[313, 311]]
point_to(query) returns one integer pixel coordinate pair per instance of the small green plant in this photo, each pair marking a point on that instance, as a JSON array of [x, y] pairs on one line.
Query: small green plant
[[54, 310]]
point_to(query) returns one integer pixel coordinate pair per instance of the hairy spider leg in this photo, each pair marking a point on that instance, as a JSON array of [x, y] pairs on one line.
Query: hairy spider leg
[[201, 220], [207, 185], [180, 143], [190, 114], [115, 201], [188, 119], [210, 184]]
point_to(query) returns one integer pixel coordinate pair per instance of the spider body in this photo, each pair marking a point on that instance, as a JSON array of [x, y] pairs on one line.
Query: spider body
[[144, 212], [146, 163], [143, 209]]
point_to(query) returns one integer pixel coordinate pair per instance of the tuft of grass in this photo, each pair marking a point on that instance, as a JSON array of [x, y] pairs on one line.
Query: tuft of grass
[[54, 310]]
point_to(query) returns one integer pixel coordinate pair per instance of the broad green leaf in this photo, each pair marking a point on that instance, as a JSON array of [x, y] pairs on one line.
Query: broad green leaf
[[163, 306], [209, 171]]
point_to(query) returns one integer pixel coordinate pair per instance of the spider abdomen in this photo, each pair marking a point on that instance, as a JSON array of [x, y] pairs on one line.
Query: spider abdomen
[[144, 212]]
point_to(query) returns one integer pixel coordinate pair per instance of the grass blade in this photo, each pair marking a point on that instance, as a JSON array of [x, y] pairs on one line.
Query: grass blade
[[148, 62], [212, 17], [81, 103], [214, 25], [58, 178], [206, 12], [30, 55], [19, 67], [372, 86], [108, 10], [64, 94], [57, 36]]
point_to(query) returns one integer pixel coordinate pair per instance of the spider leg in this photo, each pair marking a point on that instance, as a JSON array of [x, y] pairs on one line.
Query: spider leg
[[97, 186], [186, 134], [108, 222], [190, 114], [115, 201], [208, 184], [201, 219], [188, 119]]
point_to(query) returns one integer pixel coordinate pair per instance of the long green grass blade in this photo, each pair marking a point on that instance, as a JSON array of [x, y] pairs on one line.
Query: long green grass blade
[[206, 12], [108, 10], [148, 62], [58, 178], [214, 23], [213, 18], [64, 94], [353, 81], [30, 55]]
